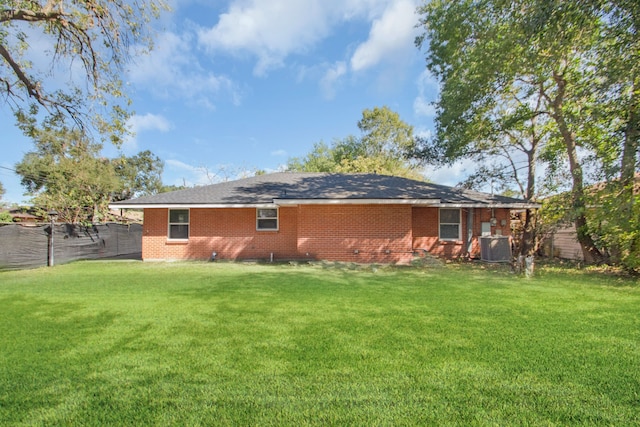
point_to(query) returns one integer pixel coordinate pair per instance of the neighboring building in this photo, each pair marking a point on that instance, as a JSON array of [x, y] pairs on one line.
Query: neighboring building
[[337, 217], [25, 215], [562, 240], [563, 243]]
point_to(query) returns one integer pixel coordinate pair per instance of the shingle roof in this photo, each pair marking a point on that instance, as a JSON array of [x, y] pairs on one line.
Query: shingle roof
[[290, 188]]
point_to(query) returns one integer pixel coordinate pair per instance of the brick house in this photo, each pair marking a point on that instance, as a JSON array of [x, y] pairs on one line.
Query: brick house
[[337, 217]]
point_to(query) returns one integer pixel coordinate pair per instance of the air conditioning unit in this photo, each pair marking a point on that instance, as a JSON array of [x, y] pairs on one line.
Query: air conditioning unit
[[495, 249]]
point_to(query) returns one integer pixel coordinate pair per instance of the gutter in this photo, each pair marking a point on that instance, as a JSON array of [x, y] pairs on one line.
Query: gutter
[[333, 202]]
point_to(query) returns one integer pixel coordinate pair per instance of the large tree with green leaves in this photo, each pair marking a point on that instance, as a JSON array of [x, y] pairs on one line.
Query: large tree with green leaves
[[486, 51], [66, 172], [94, 38], [617, 82], [140, 175], [383, 147]]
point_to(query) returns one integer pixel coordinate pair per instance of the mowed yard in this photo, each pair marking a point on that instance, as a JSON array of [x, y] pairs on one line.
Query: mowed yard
[[132, 343]]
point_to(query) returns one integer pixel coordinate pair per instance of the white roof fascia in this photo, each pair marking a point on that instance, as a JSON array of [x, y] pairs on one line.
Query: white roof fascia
[[492, 206], [296, 202], [191, 205], [413, 202]]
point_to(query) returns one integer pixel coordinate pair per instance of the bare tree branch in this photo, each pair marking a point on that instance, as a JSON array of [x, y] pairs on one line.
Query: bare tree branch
[[94, 33], [33, 89]]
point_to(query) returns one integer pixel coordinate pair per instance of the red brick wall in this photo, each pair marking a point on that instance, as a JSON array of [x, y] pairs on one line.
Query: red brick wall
[[426, 224], [379, 233], [425, 234], [229, 232], [484, 215]]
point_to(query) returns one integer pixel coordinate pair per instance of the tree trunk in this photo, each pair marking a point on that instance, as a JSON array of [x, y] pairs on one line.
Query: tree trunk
[[630, 154], [628, 166], [528, 242], [528, 245], [589, 250]]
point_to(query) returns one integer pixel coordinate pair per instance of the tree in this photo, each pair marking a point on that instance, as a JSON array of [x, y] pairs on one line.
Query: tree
[[552, 52], [383, 148], [97, 35], [321, 158], [168, 188], [5, 216], [385, 134], [507, 150], [66, 172], [616, 216], [140, 175]]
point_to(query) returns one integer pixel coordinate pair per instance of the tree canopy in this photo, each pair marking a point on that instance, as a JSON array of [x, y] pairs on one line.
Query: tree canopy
[[562, 75], [140, 175], [384, 147], [94, 39], [66, 172]]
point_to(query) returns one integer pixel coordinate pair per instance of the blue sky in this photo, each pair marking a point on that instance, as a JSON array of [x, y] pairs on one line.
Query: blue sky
[[238, 85]]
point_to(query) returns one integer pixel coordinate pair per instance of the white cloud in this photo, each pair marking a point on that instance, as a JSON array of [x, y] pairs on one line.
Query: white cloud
[[148, 122], [173, 70], [178, 165], [138, 124], [452, 175], [279, 153], [427, 94], [331, 78], [423, 108], [391, 36], [187, 174], [271, 30]]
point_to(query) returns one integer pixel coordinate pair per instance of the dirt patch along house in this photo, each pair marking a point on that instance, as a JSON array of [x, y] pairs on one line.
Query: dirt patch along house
[[366, 218]]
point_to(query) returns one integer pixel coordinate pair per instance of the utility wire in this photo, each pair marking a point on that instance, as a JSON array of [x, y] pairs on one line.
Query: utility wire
[[40, 177]]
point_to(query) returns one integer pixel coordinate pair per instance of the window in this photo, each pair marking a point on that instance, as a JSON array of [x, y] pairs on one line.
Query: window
[[450, 224], [267, 219], [486, 229], [179, 224]]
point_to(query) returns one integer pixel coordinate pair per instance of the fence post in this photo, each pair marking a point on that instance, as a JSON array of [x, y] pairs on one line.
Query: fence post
[[52, 216]]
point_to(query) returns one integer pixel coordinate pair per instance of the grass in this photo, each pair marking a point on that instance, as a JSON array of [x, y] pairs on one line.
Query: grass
[[99, 343]]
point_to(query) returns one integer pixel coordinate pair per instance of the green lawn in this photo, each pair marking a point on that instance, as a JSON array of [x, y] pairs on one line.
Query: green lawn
[[128, 343]]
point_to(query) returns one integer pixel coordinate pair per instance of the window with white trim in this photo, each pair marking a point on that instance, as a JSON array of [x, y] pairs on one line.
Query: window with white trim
[[450, 224], [179, 224], [267, 219]]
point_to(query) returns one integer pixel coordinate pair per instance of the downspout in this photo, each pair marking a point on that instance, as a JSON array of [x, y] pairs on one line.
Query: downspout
[[469, 231]]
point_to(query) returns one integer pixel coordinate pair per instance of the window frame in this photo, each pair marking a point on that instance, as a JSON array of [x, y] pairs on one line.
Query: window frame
[[169, 224], [277, 219], [459, 224], [485, 229]]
